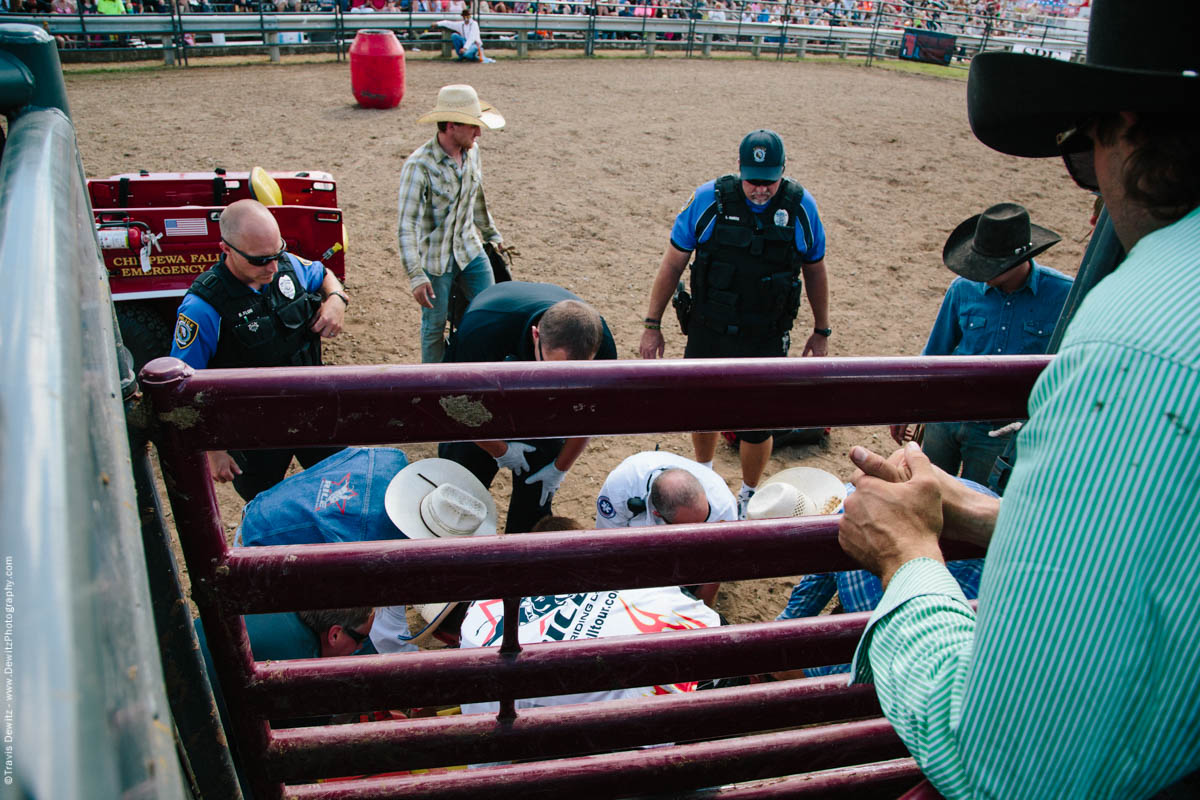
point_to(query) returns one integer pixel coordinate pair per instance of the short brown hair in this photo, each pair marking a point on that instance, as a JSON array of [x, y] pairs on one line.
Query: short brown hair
[[574, 326], [552, 523], [323, 619]]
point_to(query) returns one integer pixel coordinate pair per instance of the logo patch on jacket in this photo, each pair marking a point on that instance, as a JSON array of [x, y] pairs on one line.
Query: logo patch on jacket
[[780, 217], [185, 332], [605, 507]]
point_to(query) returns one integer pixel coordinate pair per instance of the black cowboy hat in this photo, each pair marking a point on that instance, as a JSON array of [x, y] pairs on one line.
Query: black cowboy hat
[[1141, 56], [989, 244]]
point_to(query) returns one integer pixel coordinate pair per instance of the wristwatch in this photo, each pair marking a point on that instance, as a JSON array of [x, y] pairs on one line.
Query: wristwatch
[[826, 332]]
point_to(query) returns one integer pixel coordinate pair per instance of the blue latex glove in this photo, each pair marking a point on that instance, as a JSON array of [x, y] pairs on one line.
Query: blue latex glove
[[514, 457], [551, 478]]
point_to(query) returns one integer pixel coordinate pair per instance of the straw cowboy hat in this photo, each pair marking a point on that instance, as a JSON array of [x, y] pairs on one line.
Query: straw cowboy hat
[[459, 103], [439, 499], [796, 492], [989, 244], [1140, 57]]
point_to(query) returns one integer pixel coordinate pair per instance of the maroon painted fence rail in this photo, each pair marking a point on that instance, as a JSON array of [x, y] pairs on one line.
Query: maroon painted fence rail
[[217, 409]]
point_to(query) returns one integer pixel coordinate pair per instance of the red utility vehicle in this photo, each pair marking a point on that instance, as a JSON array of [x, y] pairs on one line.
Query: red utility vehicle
[[158, 231]]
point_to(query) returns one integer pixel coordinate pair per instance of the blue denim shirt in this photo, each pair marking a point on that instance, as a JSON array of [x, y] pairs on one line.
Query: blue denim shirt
[[980, 320]]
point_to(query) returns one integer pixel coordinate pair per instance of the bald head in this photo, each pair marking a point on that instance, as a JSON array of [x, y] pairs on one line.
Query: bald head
[[677, 496], [248, 218], [573, 327]]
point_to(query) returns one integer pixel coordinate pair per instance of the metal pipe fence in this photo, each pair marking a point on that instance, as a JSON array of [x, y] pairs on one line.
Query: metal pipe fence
[[697, 28], [196, 411]]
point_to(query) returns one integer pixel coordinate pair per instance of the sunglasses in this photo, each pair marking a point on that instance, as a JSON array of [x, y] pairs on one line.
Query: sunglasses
[[1078, 154], [258, 261], [762, 183], [357, 636]]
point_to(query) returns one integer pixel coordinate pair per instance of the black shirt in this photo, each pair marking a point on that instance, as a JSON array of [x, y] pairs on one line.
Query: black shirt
[[496, 324]]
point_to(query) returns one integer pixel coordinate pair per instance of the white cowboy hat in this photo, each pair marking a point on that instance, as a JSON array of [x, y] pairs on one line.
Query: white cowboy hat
[[797, 492], [459, 103], [439, 499]]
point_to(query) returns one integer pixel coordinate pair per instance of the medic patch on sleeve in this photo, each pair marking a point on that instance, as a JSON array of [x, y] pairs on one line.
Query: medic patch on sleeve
[[185, 332], [605, 507], [688, 204]]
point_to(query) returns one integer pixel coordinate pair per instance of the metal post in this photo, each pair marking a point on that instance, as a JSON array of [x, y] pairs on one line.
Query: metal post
[[523, 44], [589, 42], [875, 32], [787, 10], [188, 689]]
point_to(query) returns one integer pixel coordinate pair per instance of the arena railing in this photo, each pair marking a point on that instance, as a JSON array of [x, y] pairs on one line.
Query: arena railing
[[783, 28], [194, 411], [83, 707]]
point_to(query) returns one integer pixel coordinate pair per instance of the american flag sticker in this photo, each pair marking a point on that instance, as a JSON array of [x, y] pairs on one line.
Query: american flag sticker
[[193, 226]]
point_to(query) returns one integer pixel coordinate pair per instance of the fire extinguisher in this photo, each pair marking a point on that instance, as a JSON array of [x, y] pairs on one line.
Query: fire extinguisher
[[128, 235]]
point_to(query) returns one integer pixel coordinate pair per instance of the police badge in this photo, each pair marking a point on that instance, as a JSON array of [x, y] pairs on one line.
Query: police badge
[[287, 287], [781, 217], [185, 332]]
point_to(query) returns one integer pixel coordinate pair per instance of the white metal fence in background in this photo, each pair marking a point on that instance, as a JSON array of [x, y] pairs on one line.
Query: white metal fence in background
[[696, 27]]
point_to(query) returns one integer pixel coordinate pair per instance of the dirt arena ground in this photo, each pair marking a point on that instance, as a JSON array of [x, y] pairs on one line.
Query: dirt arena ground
[[597, 158]]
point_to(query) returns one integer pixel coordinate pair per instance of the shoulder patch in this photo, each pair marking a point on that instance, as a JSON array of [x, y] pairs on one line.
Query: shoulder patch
[[303, 261], [605, 507], [688, 204], [185, 331]]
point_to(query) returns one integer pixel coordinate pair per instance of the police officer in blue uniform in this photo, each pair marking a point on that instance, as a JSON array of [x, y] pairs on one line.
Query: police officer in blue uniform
[[258, 306], [757, 238]]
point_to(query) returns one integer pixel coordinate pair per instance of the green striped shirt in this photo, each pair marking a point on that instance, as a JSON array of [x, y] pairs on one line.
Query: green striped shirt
[[1081, 675]]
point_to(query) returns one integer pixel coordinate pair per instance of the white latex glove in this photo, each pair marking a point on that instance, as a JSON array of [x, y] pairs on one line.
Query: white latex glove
[[551, 478], [514, 457]]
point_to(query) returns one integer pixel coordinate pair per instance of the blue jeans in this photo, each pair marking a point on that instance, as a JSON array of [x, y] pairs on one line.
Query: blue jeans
[[476, 277], [951, 444], [457, 41]]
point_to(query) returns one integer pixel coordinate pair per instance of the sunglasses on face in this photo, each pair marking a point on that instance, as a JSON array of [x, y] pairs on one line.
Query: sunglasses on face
[[1078, 154], [357, 636], [258, 261], [760, 183]]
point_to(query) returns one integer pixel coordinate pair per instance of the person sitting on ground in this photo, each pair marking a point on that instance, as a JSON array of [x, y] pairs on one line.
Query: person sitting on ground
[[587, 615], [660, 488], [805, 491], [465, 37]]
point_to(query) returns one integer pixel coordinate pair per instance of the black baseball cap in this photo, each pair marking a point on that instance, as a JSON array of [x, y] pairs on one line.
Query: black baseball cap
[[761, 156]]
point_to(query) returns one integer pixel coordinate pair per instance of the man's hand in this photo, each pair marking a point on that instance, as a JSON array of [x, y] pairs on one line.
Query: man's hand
[[330, 317], [967, 515], [551, 478], [424, 295], [513, 457], [817, 345], [888, 524], [652, 344], [222, 466]]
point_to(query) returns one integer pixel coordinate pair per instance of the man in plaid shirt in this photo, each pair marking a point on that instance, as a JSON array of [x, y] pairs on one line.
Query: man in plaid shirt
[[444, 220]]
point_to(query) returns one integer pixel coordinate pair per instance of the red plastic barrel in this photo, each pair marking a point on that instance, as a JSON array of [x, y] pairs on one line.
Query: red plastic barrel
[[377, 69]]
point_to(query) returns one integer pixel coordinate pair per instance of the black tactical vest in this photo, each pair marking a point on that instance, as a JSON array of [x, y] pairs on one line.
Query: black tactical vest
[[746, 277], [265, 328]]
